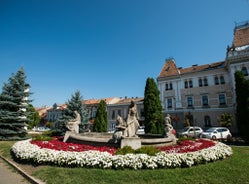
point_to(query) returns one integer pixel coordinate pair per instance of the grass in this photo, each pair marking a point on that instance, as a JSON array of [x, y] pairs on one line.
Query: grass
[[231, 170]]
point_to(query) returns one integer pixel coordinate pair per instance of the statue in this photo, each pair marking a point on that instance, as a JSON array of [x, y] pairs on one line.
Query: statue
[[73, 125], [169, 130], [132, 120], [120, 129]]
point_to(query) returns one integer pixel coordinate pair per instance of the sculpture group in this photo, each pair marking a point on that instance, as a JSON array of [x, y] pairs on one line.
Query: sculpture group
[[125, 130], [128, 128]]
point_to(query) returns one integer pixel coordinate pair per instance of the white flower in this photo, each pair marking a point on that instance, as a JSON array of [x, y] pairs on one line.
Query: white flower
[[24, 150]]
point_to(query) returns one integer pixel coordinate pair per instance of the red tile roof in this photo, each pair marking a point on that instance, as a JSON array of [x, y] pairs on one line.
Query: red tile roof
[[241, 35], [128, 100], [170, 69]]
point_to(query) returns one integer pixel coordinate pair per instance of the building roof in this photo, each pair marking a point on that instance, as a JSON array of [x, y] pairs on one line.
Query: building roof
[[170, 68], [241, 35], [110, 100], [128, 100]]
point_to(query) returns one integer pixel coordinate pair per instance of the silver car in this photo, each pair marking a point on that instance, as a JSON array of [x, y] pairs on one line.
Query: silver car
[[191, 131], [217, 133]]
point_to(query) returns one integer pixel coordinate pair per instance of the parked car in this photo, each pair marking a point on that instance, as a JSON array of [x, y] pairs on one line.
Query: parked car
[[191, 131], [217, 133]]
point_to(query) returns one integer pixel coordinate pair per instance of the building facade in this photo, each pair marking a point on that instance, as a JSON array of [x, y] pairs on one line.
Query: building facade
[[199, 95], [121, 108]]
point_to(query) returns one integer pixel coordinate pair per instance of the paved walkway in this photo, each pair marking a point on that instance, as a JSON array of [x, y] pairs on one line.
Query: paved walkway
[[8, 175]]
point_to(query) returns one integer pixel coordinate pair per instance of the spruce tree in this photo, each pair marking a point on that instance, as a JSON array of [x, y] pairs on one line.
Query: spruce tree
[[100, 122], [74, 104], [242, 109], [13, 107], [152, 108]]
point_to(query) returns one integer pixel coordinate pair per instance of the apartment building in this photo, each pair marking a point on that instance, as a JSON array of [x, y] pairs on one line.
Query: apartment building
[[201, 93]]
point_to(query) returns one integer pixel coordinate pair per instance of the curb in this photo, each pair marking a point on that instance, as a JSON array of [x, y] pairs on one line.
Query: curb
[[23, 173]]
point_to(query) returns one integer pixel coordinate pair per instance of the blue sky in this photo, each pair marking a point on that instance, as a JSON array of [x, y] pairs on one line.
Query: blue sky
[[108, 48]]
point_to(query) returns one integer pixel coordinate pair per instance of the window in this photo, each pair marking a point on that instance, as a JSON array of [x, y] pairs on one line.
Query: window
[[190, 83], [205, 82], [166, 86], [113, 114], [190, 101], [186, 84], [200, 82], [222, 80], [244, 70], [222, 99], [169, 103], [216, 80], [170, 86], [205, 100], [207, 121]]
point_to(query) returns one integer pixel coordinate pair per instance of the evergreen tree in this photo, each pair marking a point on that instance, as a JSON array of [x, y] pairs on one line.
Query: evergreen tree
[[242, 99], [13, 107], [152, 108], [100, 122], [74, 104]]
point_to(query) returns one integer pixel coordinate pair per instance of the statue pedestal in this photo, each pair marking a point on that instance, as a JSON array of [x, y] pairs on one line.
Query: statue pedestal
[[134, 142]]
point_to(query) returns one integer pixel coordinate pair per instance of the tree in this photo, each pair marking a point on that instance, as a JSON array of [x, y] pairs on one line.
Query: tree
[[34, 118], [13, 107], [226, 119], [100, 122], [242, 109], [74, 104], [152, 108]]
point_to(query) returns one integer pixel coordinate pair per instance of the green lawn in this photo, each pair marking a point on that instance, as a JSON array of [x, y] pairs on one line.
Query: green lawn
[[231, 170]]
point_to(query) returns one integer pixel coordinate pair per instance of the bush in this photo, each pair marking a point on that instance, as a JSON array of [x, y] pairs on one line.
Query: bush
[[149, 150], [124, 150]]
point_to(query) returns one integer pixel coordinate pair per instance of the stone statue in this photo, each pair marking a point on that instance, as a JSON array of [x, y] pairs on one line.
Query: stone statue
[[132, 120], [120, 129], [168, 127], [73, 125]]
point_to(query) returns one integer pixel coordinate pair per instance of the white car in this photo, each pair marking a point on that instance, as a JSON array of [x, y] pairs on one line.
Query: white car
[[190, 131], [217, 133]]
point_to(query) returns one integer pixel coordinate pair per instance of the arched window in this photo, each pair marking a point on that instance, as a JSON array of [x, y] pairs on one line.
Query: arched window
[[200, 82], [166, 86], [186, 84], [207, 121], [190, 83], [216, 80], [205, 82], [222, 80], [170, 86], [244, 70]]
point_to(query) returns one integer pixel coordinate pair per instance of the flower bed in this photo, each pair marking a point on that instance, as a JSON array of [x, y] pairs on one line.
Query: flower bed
[[192, 154]]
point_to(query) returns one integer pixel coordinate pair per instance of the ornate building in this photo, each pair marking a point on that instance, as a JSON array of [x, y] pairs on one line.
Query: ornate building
[[198, 95]]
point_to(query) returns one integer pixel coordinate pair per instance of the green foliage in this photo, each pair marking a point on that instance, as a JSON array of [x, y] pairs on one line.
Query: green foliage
[[226, 119], [74, 104], [101, 121], [13, 107], [34, 118], [149, 150], [44, 136], [152, 108], [125, 150], [242, 109]]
